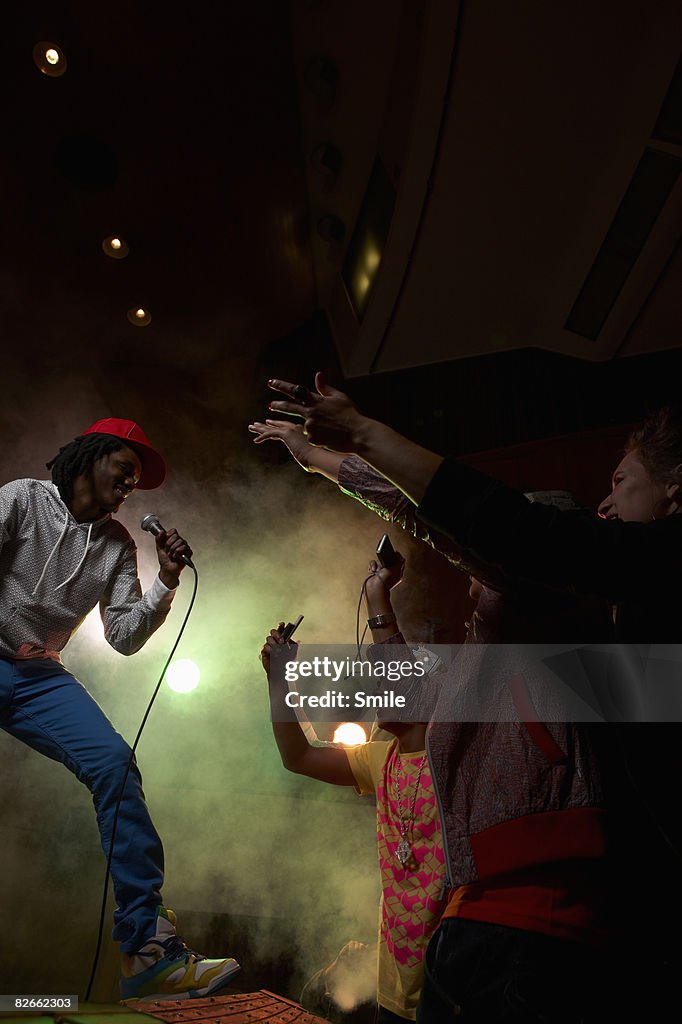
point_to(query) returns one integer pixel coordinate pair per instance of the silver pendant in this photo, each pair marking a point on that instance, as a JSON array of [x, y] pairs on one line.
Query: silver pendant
[[404, 851]]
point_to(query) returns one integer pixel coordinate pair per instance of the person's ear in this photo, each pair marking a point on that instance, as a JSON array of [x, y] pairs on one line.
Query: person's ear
[[673, 491]]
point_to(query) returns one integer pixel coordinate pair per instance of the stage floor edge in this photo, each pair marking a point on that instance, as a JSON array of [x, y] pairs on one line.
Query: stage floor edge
[[241, 1008]]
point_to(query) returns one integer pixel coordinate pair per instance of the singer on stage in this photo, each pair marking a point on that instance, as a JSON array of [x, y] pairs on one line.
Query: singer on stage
[[62, 553]]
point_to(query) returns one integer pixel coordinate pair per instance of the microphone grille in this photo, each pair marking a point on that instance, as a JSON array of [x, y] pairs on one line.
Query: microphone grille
[[151, 523]]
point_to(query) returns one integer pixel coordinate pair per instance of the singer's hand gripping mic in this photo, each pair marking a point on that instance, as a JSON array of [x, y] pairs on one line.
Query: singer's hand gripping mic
[[151, 524]]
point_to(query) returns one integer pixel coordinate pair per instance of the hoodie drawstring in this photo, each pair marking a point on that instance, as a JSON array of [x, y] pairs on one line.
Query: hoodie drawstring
[[51, 554], [76, 570], [49, 557]]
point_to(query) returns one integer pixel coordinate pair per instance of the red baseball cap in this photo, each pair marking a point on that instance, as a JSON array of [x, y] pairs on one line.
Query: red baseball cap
[[153, 467]]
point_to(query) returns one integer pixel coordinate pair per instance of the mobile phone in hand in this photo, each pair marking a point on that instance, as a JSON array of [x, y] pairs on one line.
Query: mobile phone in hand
[[386, 552], [290, 628]]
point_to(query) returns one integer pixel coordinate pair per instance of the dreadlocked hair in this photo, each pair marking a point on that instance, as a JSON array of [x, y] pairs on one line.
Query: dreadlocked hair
[[658, 443], [77, 457]]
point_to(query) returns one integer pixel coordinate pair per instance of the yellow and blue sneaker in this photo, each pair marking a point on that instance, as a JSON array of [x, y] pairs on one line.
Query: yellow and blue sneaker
[[165, 967]]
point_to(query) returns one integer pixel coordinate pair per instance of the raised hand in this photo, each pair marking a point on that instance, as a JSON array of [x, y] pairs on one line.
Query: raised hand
[[330, 417], [170, 547], [272, 640], [290, 434], [384, 578]]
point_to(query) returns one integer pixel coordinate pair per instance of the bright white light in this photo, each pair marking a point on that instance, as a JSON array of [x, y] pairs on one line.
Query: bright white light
[[51, 56], [138, 316], [350, 734], [115, 243], [183, 676]]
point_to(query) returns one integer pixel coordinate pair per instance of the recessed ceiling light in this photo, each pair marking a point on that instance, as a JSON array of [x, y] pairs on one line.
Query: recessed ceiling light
[[116, 247], [139, 316], [49, 58]]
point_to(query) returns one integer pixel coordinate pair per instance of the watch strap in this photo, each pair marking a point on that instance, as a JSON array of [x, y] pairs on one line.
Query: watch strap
[[377, 621]]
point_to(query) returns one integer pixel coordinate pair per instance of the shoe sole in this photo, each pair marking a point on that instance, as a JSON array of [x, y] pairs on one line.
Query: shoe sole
[[196, 993]]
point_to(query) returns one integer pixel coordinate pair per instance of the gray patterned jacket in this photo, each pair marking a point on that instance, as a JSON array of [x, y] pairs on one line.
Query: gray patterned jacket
[[54, 570]]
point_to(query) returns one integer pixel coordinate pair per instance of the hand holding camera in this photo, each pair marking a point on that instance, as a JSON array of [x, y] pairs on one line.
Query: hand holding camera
[[386, 571]]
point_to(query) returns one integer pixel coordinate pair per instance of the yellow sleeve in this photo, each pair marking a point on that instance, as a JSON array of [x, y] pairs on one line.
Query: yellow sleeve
[[366, 762]]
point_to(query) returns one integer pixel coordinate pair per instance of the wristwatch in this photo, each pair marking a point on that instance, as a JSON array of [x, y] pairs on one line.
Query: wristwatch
[[377, 621]]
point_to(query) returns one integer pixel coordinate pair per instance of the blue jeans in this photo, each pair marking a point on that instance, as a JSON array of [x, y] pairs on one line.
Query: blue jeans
[[491, 974], [42, 705]]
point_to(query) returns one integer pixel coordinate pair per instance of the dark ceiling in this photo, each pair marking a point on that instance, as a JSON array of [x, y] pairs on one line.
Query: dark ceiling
[[188, 133], [177, 129]]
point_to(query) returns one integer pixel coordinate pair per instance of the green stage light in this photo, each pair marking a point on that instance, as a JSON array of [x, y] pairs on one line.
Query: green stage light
[[183, 676]]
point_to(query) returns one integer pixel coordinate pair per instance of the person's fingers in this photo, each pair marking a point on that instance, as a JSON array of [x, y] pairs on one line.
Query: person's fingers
[[262, 433], [373, 566], [178, 545], [321, 384], [276, 634], [285, 386], [274, 430], [289, 407]]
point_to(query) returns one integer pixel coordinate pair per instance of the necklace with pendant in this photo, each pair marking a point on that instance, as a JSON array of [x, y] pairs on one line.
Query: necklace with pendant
[[404, 851]]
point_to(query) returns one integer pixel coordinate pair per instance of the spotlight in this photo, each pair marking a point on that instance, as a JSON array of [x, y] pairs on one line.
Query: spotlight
[[350, 734], [49, 58], [183, 676], [115, 247], [139, 316]]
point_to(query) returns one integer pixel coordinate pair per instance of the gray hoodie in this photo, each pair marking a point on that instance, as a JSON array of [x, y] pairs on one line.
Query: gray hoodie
[[54, 570]]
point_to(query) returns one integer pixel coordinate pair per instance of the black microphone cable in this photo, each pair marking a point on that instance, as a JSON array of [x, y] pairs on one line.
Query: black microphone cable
[[359, 640], [107, 874]]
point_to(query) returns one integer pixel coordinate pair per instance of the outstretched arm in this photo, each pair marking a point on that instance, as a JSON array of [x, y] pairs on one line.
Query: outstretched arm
[[360, 481], [327, 764], [308, 456], [608, 558], [332, 420]]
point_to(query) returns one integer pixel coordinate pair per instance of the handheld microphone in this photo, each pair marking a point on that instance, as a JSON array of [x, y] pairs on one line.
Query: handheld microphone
[[151, 524]]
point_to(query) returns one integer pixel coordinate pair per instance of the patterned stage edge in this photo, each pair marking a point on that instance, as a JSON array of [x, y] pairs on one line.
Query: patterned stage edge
[[242, 1008]]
